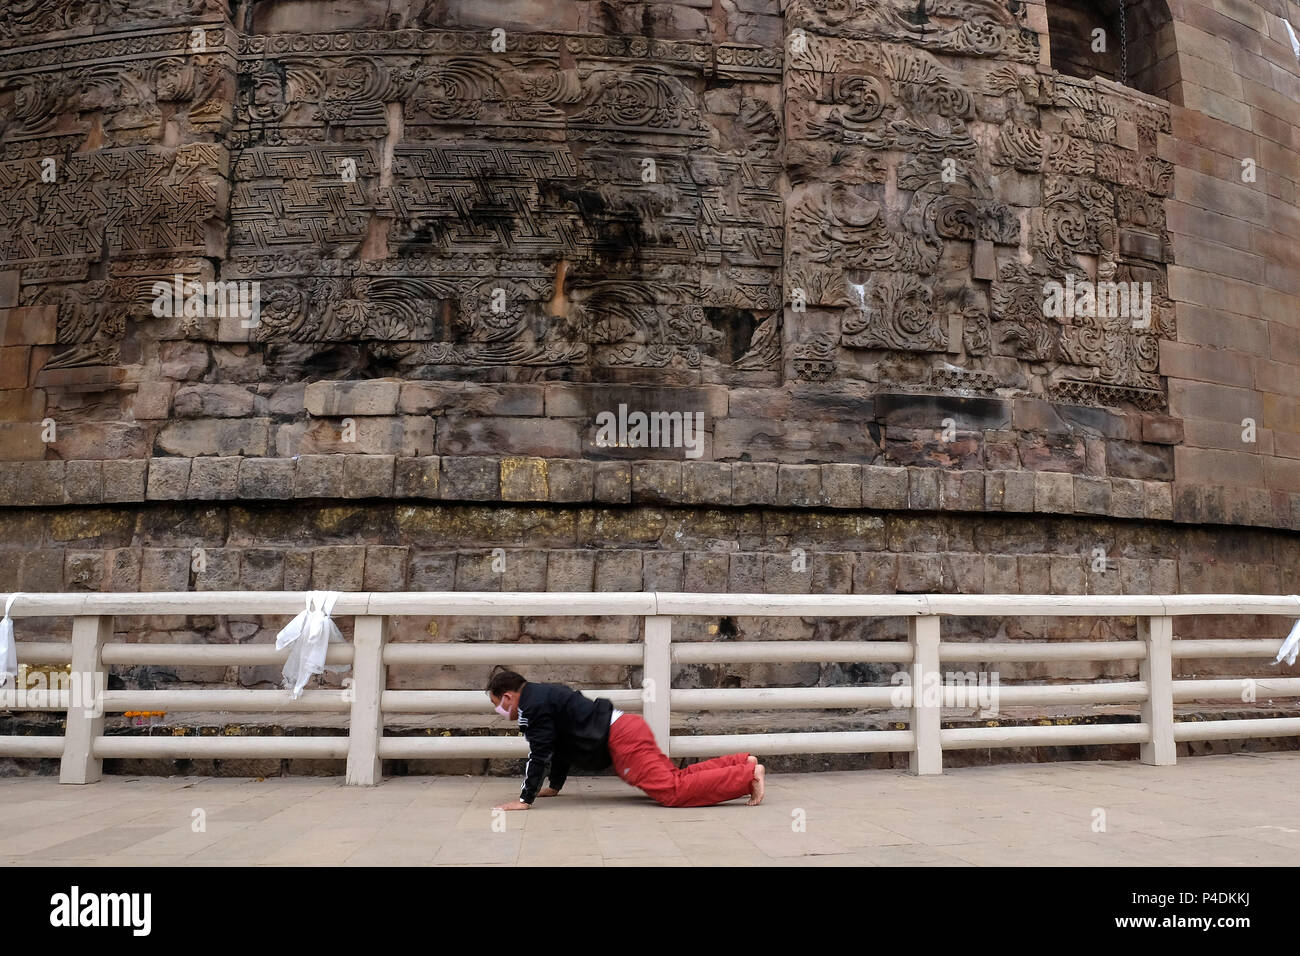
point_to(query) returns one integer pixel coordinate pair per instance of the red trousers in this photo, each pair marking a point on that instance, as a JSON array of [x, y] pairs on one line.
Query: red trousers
[[638, 760]]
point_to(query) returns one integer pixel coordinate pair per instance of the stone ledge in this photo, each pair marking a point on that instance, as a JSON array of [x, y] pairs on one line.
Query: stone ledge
[[837, 487]]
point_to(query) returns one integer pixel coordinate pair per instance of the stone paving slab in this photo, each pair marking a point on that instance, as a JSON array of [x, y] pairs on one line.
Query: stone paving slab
[[1230, 810]]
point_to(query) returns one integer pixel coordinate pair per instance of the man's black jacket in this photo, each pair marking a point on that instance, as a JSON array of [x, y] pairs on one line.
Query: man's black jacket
[[563, 729]]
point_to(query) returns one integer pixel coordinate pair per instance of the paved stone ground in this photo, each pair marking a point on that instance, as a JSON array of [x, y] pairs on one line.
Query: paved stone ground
[[1235, 809]]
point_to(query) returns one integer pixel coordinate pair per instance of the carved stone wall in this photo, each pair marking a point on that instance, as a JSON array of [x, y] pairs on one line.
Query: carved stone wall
[[826, 228], [822, 228]]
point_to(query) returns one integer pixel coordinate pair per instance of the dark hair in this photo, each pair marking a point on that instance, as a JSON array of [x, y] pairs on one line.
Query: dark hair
[[502, 680]]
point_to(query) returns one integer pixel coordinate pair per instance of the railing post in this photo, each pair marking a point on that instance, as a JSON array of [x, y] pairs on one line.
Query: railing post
[[927, 753], [656, 686], [1157, 670], [85, 719], [369, 679]]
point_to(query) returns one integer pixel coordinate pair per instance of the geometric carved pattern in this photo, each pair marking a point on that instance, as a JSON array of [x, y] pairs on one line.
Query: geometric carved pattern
[[603, 206], [943, 182]]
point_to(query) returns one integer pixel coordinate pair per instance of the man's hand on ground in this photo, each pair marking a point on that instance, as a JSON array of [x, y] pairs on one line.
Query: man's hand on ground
[[548, 792], [512, 806]]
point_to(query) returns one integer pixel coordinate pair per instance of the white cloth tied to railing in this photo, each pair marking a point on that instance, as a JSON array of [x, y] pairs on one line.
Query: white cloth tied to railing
[[1291, 646], [310, 633], [8, 653]]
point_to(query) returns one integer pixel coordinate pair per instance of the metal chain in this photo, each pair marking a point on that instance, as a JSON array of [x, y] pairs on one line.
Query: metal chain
[[1123, 47]]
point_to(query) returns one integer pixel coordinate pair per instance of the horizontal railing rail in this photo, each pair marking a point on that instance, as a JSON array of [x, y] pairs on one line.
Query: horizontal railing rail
[[366, 699]]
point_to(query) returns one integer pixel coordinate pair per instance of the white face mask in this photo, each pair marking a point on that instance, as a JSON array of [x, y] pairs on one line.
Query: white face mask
[[502, 710]]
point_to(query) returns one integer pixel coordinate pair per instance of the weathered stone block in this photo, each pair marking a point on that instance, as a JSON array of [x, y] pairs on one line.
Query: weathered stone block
[[1001, 574], [266, 478], [570, 570], [832, 573], [745, 573], [434, 571], [123, 567], [165, 569], [1164, 576], [1157, 500], [1053, 492], [84, 481], [469, 398], [125, 480], [540, 437], [706, 571], [30, 325], [261, 569], [213, 479], [661, 571], [841, 485], [213, 436], [799, 486], [962, 573], [83, 570], [919, 574], [1035, 573], [1127, 498], [570, 480], [1105, 582], [753, 483], [385, 568], [706, 482], [409, 437], [524, 479], [1091, 495], [788, 572], [213, 401], [169, 479], [1140, 460], [220, 570], [994, 490], [332, 399], [961, 490], [875, 574], [40, 569], [1067, 574], [656, 482], [1135, 576], [416, 477], [923, 489], [152, 401], [618, 570], [368, 476], [884, 488], [525, 571], [613, 482], [478, 571], [470, 479], [318, 476], [100, 440], [339, 568], [297, 569]]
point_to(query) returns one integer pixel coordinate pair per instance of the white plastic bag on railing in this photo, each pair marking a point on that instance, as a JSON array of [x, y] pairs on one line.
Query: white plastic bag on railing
[[310, 633], [8, 653], [1291, 646]]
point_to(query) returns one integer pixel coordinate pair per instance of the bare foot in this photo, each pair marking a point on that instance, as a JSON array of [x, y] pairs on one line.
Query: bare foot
[[756, 786]]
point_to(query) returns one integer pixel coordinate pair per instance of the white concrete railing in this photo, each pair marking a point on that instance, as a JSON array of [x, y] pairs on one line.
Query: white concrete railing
[[84, 746]]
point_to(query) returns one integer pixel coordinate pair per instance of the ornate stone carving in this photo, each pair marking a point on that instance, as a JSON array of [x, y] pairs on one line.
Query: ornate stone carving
[[894, 311]]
